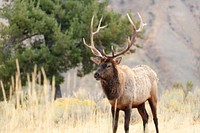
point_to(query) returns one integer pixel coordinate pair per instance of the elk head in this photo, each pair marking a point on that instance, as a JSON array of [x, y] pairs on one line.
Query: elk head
[[107, 63]]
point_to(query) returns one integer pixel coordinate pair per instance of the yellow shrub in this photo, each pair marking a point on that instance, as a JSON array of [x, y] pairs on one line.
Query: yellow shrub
[[174, 105], [73, 107], [173, 100]]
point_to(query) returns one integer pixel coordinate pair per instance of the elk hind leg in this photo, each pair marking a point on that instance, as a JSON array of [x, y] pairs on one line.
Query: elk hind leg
[[142, 111], [153, 105]]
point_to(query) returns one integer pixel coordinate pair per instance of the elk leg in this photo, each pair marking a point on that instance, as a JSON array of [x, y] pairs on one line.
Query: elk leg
[[142, 111], [115, 116], [153, 105], [127, 119]]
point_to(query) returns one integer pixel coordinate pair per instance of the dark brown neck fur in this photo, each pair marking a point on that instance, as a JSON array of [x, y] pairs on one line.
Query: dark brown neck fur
[[111, 86]]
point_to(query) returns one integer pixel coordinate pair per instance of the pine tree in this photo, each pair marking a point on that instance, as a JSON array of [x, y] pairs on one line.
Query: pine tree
[[58, 26]]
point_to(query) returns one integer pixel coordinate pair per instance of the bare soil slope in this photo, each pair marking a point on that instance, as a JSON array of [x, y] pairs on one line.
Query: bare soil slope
[[172, 37]]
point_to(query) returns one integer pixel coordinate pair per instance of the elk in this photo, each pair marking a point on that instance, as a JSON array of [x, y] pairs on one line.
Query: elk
[[125, 87]]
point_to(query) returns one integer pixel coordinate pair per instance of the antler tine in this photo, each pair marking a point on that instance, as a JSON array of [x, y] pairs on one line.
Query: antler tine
[[109, 56], [131, 21], [119, 53], [92, 47], [135, 30], [130, 40], [113, 51], [99, 26], [142, 24]]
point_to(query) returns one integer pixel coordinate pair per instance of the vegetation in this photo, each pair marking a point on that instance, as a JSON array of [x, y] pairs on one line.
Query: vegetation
[[49, 33], [33, 111]]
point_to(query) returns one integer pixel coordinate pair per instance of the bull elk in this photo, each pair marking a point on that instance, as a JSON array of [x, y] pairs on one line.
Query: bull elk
[[125, 87]]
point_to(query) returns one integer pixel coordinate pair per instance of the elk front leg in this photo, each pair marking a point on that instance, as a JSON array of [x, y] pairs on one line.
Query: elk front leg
[[127, 119], [144, 115], [115, 117]]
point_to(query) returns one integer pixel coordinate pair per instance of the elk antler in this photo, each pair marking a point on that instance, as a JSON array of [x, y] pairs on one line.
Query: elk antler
[[130, 41], [92, 47]]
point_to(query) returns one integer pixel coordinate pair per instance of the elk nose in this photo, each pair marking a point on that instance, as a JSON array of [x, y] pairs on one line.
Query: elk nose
[[96, 75]]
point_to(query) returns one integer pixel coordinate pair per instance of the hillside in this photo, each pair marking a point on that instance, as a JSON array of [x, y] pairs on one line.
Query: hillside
[[171, 44], [172, 37]]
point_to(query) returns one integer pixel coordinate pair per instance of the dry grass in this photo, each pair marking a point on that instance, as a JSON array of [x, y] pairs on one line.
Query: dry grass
[[33, 111]]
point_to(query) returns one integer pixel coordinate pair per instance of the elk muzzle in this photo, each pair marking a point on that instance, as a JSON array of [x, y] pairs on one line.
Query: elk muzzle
[[97, 76]]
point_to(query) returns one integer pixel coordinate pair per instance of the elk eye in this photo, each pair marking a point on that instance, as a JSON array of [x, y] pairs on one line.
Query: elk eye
[[108, 66]]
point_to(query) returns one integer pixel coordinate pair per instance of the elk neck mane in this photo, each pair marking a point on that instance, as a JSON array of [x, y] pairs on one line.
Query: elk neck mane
[[112, 85]]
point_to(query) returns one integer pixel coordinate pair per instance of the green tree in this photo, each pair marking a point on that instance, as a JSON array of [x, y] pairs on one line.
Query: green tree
[[58, 26]]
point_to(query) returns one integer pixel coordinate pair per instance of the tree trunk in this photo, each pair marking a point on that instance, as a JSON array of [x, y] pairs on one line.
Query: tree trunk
[[58, 93]]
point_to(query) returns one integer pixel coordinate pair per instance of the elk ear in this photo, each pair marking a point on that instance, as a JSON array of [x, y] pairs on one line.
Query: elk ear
[[117, 60], [96, 60]]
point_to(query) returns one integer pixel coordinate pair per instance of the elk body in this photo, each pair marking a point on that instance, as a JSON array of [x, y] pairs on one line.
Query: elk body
[[125, 87]]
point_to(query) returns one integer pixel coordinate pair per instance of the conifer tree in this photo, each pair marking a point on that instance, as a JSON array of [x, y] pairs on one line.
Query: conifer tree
[[49, 33]]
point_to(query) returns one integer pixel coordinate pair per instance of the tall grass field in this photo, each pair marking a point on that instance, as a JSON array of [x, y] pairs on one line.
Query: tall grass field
[[32, 109]]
